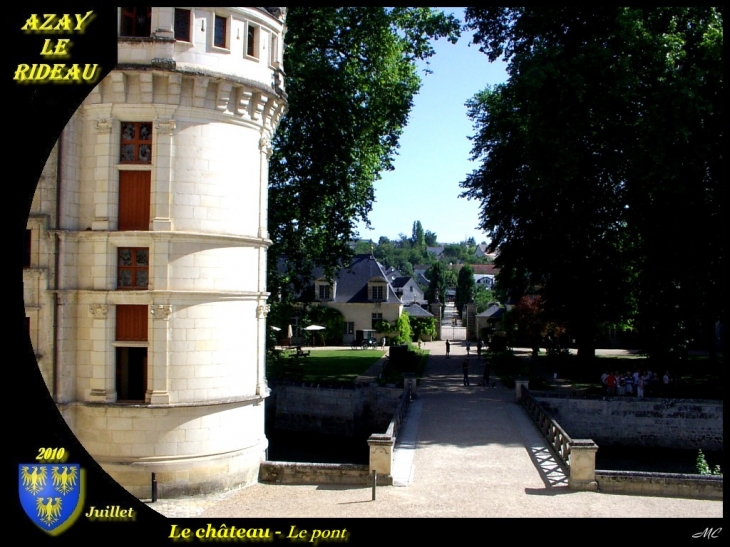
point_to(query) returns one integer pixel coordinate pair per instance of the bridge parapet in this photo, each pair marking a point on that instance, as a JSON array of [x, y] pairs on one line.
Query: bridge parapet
[[577, 455], [382, 444]]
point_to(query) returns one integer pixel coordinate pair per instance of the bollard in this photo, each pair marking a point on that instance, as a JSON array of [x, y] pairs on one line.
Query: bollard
[[375, 482], [154, 487]]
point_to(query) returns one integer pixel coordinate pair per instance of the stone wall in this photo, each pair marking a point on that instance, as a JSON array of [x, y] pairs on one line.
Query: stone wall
[[660, 484], [665, 423], [332, 411], [313, 473]]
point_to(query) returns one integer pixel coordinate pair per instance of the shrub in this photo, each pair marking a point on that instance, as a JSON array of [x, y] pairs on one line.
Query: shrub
[[703, 468]]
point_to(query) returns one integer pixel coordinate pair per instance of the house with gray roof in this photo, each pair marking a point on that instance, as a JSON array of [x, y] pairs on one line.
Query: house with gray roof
[[365, 293]]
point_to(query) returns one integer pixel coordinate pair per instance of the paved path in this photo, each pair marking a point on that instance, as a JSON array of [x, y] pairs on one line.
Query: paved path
[[465, 452]]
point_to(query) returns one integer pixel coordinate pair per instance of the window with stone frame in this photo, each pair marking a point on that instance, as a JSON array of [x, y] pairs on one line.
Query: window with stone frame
[[136, 142], [274, 50], [136, 22], [134, 200], [133, 268], [131, 359], [183, 19], [220, 32], [348, 327], [252, 40]]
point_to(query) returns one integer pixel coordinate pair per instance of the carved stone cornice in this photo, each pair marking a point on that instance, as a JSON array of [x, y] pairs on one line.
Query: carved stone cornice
[[262, 311]]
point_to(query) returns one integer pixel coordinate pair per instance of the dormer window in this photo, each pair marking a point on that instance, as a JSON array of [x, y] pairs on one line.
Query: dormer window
[[378, 289], [324, 292], [324, 289]]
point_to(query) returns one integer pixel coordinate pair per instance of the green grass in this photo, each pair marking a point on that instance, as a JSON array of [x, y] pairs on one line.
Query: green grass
[[323, 366]]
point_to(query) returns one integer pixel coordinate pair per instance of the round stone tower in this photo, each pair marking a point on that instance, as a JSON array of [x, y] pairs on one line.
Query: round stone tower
[[146, 288]]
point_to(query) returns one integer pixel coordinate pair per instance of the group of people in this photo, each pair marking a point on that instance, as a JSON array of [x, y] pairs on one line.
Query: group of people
[[642, 383]]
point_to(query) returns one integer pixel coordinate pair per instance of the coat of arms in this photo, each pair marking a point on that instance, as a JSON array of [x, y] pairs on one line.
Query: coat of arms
[[51, 494]]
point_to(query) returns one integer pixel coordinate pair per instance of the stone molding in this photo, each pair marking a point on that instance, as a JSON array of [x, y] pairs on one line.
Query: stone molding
[[165, 126], [104, 125], [161, 311], [98, 311], [262, 311]]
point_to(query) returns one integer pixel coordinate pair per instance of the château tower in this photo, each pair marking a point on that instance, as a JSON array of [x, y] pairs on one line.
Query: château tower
[[145, 283]]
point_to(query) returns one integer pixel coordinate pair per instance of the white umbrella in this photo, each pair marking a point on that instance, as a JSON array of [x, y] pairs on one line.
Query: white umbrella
[[275, 328], [289, 332], [313, 328]]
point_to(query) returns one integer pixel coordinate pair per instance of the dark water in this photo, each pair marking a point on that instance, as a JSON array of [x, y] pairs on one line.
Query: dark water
[[309, 447], [292, 446], [654, 460]]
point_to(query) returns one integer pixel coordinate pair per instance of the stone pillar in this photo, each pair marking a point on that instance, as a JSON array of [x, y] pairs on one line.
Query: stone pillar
[[381, 454], [519, 382], [470, 314], [159, 360], [436, 311], [583, 465]]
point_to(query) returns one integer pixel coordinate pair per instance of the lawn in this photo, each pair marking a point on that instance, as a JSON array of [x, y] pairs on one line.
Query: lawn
[[323, 366]]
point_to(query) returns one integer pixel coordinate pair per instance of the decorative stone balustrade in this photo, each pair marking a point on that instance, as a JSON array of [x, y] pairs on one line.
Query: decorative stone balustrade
[[578, 455]]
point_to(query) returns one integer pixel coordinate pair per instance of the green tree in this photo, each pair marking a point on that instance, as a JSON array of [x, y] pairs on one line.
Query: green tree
[[418, 237], [430, 238], [403, 329], [611, 118], [351, 75], [464, 287], [482, 297], [330, 318], [437, 286], [423, 326]]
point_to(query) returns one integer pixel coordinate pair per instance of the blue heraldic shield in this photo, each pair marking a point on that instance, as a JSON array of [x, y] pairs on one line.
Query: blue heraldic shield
[[51, 494]]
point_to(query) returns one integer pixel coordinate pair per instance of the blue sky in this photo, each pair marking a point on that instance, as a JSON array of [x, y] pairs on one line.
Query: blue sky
[[434, 150]]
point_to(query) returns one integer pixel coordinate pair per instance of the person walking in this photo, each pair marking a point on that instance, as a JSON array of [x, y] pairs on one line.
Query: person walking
[[465, 367], [468, 347], [448, 349]]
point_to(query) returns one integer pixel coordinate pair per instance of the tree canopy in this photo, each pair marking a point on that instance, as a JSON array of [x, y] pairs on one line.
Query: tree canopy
[[464, 287], [351, 76], [601, 163]]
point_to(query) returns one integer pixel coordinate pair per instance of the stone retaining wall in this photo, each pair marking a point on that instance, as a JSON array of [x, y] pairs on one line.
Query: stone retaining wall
[[313, 473], [706, 487], [332, 411], [665, 423]]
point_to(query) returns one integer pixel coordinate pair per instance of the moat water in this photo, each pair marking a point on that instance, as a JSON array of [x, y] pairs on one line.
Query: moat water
[[309, 447], [293, 446]]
